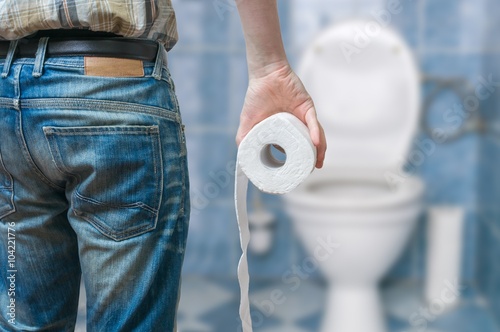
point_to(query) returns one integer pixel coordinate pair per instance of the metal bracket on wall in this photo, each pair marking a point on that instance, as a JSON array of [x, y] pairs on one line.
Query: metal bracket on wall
[[458, 118]]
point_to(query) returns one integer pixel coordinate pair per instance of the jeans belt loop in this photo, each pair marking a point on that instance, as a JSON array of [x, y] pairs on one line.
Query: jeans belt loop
[[40, 56], [159, 61], [9, 58]]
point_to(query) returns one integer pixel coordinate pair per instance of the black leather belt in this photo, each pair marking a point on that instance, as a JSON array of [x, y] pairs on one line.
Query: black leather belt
[[140, 49]]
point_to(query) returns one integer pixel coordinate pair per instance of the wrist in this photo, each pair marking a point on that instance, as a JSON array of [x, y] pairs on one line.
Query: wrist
[[259, 69]]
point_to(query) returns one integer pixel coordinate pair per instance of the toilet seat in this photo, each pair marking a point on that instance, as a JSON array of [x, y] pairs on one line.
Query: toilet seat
[[354, 191], [368, 101]]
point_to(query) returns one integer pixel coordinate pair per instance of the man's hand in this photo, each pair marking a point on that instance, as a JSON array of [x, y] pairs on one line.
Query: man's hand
[[273, 86], [277, 89]]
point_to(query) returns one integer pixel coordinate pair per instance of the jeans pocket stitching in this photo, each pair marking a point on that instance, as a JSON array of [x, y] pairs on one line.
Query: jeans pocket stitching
[[140, 205], [117, 236]]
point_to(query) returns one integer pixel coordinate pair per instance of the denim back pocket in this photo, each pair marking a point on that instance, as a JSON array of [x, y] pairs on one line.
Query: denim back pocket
[[6, 191], [115, 175]]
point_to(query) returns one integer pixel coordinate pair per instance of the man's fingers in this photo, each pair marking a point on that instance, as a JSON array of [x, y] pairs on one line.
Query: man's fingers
[[313, 125], [321, 149], [317, 135]]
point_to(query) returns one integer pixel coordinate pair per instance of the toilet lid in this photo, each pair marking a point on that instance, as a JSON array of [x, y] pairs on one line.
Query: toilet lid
[[365, 86]]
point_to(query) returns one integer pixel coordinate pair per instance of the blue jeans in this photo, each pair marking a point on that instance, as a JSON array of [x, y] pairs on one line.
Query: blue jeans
[[93, 184]]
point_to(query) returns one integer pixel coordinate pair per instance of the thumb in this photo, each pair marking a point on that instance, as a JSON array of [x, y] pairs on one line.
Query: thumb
[[243, 130]]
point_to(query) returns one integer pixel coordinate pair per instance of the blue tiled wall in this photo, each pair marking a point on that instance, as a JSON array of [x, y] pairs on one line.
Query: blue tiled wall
[[445, 36], [209, 69]]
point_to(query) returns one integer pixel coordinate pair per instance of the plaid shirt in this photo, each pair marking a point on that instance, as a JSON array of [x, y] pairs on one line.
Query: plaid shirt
[[150, 19]]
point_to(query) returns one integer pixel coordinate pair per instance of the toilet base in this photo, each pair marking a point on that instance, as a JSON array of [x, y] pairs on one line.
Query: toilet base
[[353, 308]]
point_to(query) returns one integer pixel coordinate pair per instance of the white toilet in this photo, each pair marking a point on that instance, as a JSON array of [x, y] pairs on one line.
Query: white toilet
[[360, 203]]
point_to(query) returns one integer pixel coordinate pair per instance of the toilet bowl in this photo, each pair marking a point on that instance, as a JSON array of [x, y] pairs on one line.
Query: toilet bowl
[[355, 215]]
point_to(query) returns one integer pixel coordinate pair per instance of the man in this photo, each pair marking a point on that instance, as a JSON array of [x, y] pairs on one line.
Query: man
[[93, 176]]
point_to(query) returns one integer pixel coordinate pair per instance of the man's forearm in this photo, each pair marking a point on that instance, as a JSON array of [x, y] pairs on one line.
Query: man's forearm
[[262, 31]]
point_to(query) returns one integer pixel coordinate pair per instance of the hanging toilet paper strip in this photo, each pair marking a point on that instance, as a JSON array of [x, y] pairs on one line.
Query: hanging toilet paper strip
[[256, 163]]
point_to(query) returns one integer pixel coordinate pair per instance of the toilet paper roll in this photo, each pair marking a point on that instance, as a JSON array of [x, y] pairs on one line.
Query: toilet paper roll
[[256, 162]]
